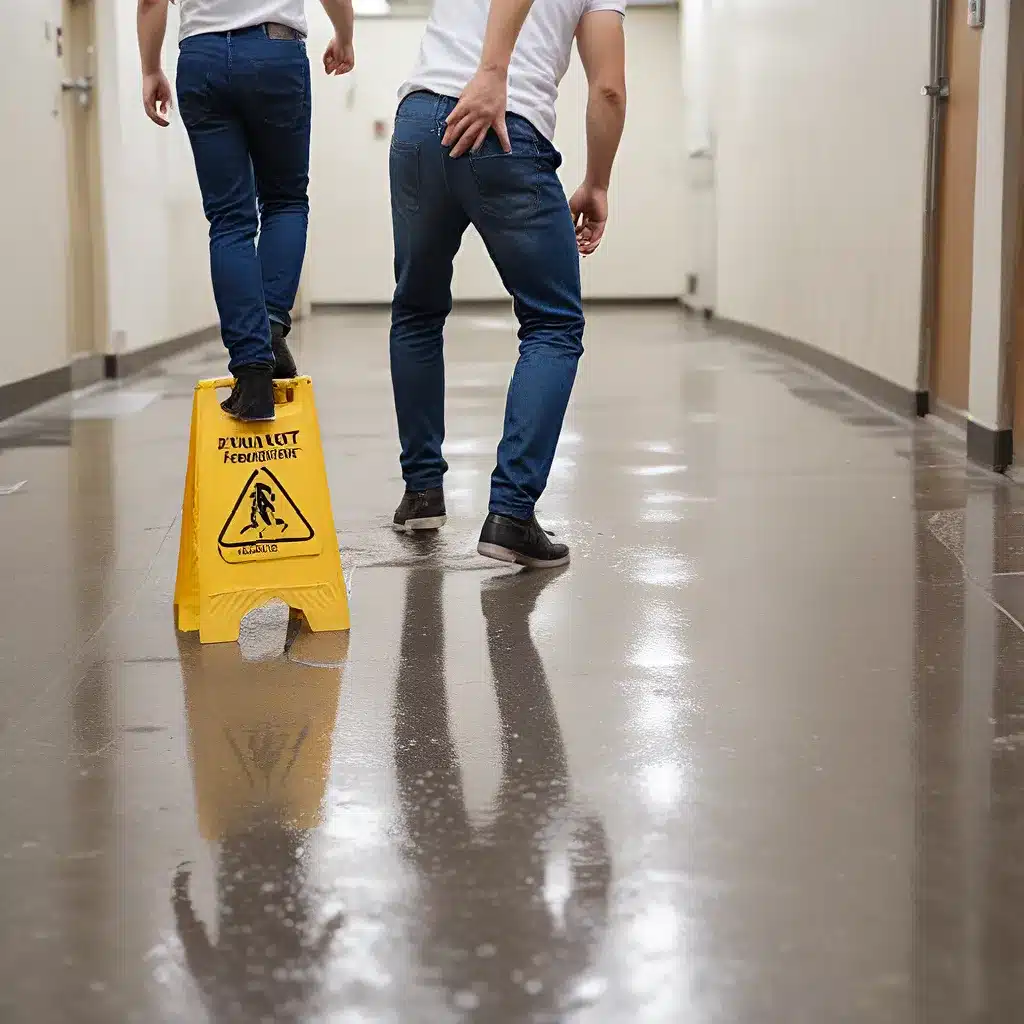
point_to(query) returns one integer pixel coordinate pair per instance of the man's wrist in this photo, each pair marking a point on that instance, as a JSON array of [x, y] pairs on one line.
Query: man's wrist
[[596, 183], [494, 67], [147, 71]]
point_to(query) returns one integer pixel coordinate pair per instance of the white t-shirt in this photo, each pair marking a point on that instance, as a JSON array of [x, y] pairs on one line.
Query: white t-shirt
[[454, 39], [199, 16]]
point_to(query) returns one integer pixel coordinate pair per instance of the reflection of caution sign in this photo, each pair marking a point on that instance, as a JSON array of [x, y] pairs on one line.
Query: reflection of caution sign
[[266, 754], [264, 517]]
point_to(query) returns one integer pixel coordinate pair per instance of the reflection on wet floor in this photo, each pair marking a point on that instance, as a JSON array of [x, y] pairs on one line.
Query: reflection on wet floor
[[513, 907], [756, 756], [260, 744]]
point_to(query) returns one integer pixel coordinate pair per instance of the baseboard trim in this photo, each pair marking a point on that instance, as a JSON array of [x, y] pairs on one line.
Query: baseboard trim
[[954, 417], [83, 371], [20, 395], [706, 312], [126, 364], [86, 371], [489, 305], [350, 307], [638, 302], [990, 448], [892, 396]]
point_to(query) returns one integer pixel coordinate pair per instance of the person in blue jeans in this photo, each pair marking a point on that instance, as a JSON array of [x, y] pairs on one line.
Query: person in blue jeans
[[472, 144], [244, 97]]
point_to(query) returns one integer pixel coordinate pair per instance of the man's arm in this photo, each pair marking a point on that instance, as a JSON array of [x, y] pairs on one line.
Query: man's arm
[[339, 57], [601, 41], [156, 90], [482, 104]]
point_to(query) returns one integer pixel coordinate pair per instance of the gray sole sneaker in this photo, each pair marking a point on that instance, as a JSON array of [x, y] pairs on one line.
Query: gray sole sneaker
[[501, 554], [420, 510], [429, 523], [520, 542]]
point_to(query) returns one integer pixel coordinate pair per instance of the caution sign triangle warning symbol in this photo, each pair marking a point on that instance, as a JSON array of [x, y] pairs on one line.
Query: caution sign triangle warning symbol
[[264, 517], [266, 754]]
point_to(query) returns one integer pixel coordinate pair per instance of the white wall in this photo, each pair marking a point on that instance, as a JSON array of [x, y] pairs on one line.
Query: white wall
[[821, 135], [158, 263], [350, 234], [996, 220], [699, 229], [33, 201]]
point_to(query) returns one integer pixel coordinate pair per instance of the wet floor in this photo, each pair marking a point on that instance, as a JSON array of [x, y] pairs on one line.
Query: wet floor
[[756, 756]]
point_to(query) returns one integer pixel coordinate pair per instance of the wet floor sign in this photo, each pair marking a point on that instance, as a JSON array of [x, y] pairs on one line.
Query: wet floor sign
[[256, 518]]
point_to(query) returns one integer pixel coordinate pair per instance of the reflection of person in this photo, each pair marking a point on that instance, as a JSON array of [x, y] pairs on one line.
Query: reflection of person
[[260, 740], [264, 965], [477, 57], [244, 93], [504, 949]]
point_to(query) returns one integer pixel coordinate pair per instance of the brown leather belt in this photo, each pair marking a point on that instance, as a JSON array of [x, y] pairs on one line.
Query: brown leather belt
[[276, 31]]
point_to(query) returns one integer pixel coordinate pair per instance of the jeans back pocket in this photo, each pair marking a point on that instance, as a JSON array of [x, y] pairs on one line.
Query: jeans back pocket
[[404, 170], [508, 184]]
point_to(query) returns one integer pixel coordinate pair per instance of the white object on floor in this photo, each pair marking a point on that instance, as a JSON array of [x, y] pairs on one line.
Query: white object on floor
[[13, 488]]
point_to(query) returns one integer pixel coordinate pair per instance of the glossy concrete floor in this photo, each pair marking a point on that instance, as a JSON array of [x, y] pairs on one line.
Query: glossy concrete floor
[[757, 756]]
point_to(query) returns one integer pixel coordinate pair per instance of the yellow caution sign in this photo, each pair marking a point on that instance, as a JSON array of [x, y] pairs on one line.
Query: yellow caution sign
[[256, 518], [260, 732]]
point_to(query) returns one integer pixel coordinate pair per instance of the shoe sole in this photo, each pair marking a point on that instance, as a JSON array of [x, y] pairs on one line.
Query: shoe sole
[[249, 419], [414, 525], [511, 557]]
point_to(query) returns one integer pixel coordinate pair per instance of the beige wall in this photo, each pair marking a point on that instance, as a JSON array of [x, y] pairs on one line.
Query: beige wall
[[821, 136], [156, 232], [350, 237], [33, 201]]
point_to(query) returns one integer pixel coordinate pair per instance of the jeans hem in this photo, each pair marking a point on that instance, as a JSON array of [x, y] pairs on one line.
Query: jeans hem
[[419, 488], [523, 515]]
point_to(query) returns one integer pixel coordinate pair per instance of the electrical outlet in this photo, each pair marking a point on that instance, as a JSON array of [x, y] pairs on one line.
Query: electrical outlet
[[976, 13], [691, 284]]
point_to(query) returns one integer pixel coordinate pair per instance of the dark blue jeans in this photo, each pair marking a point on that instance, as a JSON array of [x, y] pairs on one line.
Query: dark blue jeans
[[517, 204], [245, 101]]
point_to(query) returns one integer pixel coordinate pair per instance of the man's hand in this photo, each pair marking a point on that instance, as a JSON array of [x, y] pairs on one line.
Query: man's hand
[[156, 98], [339, 57], [480, 108], [589, 206]]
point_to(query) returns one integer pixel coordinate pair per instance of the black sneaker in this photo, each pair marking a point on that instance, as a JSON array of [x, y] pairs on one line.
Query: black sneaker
[[521, 541], [284, 362], [421, 510], [252, 398]]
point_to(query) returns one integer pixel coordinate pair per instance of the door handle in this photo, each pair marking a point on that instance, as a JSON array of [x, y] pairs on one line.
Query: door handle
[[81, 86]]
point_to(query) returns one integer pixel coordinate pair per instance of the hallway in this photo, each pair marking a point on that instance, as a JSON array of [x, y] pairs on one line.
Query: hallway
[[755, 757]]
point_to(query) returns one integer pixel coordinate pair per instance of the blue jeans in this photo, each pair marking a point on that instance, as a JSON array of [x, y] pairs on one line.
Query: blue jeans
[[517, 204], [245, 101]]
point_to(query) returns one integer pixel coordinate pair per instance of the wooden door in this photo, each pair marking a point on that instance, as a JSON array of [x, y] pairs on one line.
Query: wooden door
[[951, 358], [86, 249]]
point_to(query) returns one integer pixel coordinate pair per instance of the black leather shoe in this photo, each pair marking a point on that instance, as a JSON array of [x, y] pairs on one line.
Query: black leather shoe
[[252, 398], [421, 510], [284, 362], [521, 541]]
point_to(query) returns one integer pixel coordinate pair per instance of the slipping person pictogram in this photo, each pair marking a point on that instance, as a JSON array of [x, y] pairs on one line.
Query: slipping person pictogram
[[264, 514], [262, 511]]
